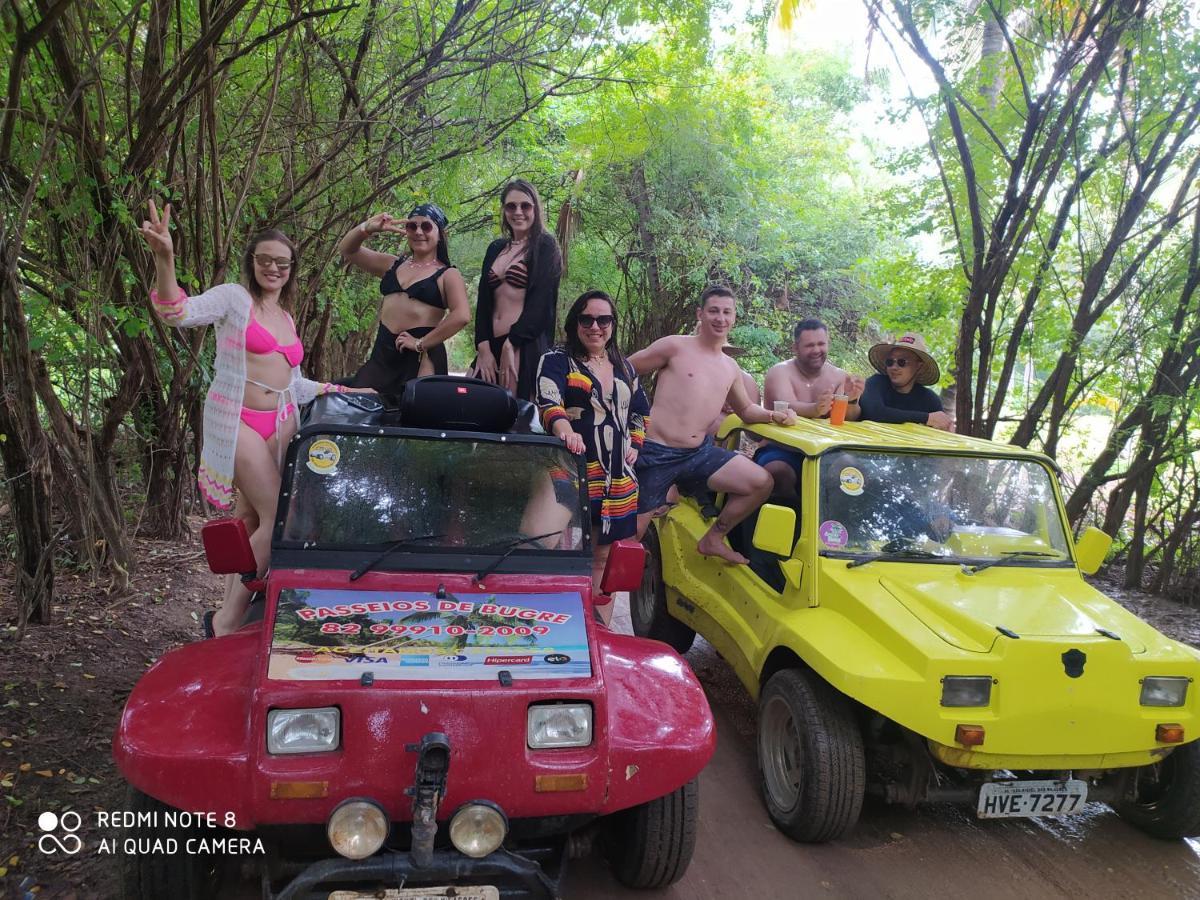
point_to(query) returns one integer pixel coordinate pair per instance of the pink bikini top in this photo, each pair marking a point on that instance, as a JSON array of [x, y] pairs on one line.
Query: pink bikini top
[[259, 340]]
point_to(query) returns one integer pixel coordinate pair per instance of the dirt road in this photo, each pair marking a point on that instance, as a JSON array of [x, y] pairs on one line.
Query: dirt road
[[933, 852]]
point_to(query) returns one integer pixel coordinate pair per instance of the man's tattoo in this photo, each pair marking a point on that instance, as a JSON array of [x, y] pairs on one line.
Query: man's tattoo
[[722, 527]]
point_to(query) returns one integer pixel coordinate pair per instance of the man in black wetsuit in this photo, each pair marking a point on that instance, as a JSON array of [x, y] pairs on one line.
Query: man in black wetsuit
[[899, 393]]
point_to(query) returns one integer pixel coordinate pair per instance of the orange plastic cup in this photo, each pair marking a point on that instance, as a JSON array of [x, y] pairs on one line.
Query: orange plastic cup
[[837, 412]]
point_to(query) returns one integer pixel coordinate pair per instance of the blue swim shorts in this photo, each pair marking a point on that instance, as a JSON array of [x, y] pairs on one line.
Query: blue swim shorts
[[775, 453], [688, 468]]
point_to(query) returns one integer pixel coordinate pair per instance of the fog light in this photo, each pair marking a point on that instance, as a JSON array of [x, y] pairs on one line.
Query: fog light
[[966, 690], [478, 828], [559, 725], [357, 828], [1165, 691]]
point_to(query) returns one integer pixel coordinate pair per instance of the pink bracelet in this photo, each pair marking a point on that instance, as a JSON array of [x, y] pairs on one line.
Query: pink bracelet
[[171, 303]]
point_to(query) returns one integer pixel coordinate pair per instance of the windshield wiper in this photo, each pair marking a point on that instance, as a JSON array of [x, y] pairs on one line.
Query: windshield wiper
[[391, 548], [901, 553], [508, 550], [1011, 556]]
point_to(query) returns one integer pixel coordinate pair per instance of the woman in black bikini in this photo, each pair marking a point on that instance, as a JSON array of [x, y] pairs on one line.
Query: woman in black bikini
[[424, 298], [518, 294]]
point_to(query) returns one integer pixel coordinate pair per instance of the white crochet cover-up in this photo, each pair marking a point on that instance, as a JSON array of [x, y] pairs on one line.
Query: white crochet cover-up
[[228, 306]]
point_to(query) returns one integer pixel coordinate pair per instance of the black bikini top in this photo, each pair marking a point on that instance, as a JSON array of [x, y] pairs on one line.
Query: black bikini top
[[424, 289], [516, 275]]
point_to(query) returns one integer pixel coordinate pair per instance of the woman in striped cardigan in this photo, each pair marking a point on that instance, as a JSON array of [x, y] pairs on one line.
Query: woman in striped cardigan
[[590, 398]]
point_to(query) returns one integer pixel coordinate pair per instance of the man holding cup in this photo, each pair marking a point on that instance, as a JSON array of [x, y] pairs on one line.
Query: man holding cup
[[811, 386]]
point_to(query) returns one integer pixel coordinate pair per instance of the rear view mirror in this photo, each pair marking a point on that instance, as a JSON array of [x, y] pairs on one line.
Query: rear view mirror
[[227, 547], [1090, 550], [623, 570], [775, 529]]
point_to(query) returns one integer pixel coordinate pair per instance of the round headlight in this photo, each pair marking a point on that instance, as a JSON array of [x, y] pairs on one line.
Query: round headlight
[[478, 828], [357, 829]]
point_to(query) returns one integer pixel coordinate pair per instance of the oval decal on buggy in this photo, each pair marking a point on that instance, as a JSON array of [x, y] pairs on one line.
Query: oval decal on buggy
[[323, 457], [556, 659]]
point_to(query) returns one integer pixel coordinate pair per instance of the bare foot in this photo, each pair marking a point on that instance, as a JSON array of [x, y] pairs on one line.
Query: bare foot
[[713, 544]]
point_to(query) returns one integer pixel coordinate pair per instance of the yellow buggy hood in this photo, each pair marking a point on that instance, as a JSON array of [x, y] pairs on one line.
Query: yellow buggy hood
[[968, 611]]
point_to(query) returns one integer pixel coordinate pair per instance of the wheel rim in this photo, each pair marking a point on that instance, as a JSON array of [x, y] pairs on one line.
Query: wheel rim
[[780, 753]]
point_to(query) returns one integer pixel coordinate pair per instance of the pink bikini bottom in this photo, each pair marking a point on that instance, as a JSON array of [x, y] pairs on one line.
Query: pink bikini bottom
[[263, 420]]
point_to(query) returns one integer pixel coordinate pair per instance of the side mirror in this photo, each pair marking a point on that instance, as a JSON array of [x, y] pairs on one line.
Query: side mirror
[[623, 570], [1090, 550], [227, 546], [775, 529]]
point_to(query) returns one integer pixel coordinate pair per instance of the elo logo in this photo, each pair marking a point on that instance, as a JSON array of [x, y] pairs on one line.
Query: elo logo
[[69, 843], [556, 659]]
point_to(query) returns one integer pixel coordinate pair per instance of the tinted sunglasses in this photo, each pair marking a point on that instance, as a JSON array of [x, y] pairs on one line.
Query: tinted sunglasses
[[603, 321], [893, 362], [282, 263], [425, 226], [513, 205]]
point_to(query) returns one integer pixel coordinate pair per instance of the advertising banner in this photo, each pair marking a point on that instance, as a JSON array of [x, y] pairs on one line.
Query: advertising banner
[[326, 635]]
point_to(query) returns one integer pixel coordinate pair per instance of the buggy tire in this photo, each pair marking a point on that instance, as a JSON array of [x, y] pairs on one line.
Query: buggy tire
[[810, 757], [648, 604], [651, 845], [1167, 796], [152, 876]]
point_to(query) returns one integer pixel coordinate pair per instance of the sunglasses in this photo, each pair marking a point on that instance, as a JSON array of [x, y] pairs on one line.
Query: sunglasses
[[524, 206], [282, 263], [603, 321], [413, 227], [894, 362]]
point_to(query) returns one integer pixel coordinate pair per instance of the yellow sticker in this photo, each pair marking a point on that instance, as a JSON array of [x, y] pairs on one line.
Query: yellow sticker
[[323, 457], [851, 481]]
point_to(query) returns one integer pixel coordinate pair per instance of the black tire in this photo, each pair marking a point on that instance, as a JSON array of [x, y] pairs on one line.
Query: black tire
[[179, 875], [1167, 801], [810, 758], [650, 846], [648, 604]]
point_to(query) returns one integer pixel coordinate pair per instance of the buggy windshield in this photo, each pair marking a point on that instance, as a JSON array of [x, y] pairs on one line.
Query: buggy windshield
[[955, 507], [369, 491]]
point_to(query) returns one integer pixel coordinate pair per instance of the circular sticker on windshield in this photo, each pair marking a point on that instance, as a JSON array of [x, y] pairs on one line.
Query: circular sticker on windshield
[[323, 457], [850, 480], [833, 534]]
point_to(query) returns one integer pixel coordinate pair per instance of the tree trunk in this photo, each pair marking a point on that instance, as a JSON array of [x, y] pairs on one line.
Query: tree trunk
[[26, 457]]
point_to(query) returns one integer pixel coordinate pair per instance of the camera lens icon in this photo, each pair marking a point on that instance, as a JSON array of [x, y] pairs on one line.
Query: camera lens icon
[[70, 843]]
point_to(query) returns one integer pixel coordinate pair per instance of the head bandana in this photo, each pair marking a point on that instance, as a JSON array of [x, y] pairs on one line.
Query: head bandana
[[430, 211]]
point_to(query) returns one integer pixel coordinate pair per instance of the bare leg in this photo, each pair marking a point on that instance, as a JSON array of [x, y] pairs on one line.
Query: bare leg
[[256, 476], [543, 513], [599, 559], [785, 480], [746, 485], [244, 511]]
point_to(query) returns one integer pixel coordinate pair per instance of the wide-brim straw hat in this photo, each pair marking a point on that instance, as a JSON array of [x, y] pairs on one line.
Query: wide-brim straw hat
[[930, 372]]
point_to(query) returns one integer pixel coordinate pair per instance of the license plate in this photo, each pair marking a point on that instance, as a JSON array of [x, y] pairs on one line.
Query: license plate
[[1024, 799], [473, 892]]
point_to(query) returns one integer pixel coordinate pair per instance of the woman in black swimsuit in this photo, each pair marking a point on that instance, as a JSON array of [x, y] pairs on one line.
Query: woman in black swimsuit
[[424, 298], [518, 294]]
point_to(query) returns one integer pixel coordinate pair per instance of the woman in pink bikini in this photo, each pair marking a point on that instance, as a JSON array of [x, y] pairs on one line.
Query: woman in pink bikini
[[250, 410], [518, 294]]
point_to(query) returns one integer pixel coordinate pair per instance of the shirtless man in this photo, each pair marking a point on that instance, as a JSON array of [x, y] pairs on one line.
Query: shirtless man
[[807, 383], [694, 379]]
